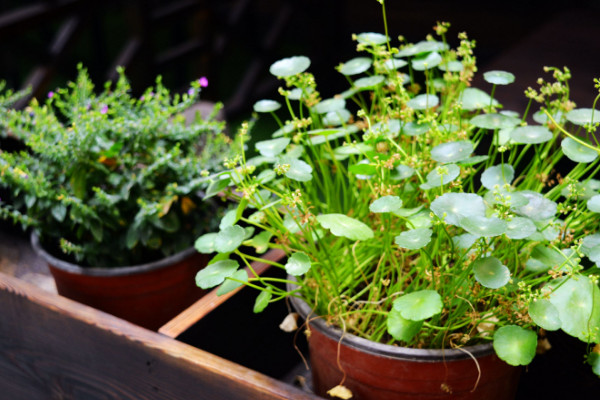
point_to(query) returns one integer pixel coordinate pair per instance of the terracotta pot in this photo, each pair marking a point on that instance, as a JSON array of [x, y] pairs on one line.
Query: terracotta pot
[[148, 295], [383, 372]]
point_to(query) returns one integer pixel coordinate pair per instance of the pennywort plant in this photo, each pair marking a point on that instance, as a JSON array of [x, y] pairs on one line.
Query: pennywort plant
[[110, 179], [414, 210]]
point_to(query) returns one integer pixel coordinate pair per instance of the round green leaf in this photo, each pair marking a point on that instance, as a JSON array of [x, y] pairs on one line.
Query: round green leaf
[[424, 46], [273, 147], [386, 204], [490, 272], [593, 359], [205, 244], [538, 208], [475, 99], [451, 152], [423, 102], [289, 66], [531, 134], [465, 241], [266, 106], [419, 305], [371, 38], [544, 314], [402, 172], [541, 118], [577, 152], [229, 219], [494, 121], [548, 258], [329, 105], [432, 60], [229, 239], [214, 274], [497, 175], [483, 226], [401, 328], [261, 241], [299, 171], [520, 228], [344, 226], [473, 160], [395, 63], [389, 128], [499, 77], [355, 66], [441, 175], [583, 116], [261, 302], [452, 66], [578, 302], [419, 220], [414, 239], [298, 264], [593, 204], [336, 118], [237, 280], [284, 130], [515, 345], [589, 242], [451, 207], [369, 82], [414, 129]]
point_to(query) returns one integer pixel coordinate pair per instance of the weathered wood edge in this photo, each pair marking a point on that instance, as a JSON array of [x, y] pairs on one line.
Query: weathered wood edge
[[211, 301], [51, 346]]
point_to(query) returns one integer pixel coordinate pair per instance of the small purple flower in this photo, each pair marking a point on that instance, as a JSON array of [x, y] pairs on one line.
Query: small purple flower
[[191, 91], [203, 81], [142, 98], [50, 94], [104, 109]]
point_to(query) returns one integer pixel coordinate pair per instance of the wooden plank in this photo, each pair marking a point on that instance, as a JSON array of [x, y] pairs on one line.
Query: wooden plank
[[18, 19], [52, 347], [211, 301]]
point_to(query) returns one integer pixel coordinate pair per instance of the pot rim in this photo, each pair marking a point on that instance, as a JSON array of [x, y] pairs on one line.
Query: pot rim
[[108, 271], [386, 350]]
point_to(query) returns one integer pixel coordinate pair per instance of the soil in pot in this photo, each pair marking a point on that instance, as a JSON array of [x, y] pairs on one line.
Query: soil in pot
[[383, 372], [148, 295]]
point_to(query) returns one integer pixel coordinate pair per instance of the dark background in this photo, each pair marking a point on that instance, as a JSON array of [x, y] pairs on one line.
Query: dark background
[[233, 42]]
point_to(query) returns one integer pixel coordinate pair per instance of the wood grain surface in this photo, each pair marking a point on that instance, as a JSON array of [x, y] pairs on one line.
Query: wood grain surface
[[54, 348]]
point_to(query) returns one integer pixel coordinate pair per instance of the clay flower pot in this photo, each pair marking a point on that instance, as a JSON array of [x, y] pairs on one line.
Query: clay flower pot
[[384, 372], [148, 295]]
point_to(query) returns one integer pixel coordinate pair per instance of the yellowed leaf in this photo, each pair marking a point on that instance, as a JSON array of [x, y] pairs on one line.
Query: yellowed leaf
[[187, 205], [340, 391]]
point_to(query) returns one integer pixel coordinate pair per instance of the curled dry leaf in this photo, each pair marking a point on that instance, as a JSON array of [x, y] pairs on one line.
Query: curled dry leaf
[[487, 327], [543, 346], [340, 391], [289, 323]]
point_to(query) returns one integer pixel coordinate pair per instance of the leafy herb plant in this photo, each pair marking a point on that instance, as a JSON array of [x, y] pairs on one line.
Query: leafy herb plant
[[109, 179], [415, 210]]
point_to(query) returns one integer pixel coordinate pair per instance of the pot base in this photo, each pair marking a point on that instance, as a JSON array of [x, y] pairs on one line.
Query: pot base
[[375, 371]]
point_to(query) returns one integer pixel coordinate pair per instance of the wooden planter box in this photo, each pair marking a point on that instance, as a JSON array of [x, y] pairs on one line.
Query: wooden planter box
[[54, 348]]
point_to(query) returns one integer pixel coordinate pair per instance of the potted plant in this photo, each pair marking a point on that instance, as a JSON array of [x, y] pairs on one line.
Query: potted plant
[[111, 185], [432, 237]]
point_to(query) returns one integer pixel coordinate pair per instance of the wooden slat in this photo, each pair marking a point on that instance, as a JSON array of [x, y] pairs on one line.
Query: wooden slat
[[211, 301], [35, 14], [54, 348]]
